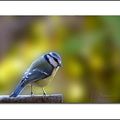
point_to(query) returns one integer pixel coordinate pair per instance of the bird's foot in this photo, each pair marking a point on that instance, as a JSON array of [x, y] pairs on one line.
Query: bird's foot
[[32, 94], [44, 94]]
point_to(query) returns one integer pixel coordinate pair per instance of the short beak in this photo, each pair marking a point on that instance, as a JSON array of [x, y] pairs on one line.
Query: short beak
[[60, 65]]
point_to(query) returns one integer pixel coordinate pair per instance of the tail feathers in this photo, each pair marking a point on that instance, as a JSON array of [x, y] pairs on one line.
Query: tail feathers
[[17, 91]]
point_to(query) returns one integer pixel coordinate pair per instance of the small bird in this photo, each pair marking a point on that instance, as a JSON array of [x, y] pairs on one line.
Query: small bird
[[40, 72]]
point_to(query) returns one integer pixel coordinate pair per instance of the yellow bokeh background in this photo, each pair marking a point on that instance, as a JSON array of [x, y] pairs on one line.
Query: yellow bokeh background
[[89, 47]]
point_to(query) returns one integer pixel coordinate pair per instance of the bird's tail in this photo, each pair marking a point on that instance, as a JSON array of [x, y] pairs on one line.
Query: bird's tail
[[17, 90]]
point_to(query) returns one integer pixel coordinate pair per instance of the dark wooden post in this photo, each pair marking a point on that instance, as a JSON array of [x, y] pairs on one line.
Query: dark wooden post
[[54, 98]]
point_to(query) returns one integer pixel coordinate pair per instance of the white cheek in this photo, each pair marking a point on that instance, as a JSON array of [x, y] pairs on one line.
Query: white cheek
[[52, 61]]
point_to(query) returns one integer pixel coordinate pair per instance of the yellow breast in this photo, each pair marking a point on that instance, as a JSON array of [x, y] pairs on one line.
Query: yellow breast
[[46, 81]]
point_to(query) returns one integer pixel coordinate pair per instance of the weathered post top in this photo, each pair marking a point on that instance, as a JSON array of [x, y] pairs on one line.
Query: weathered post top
[[54, 98]]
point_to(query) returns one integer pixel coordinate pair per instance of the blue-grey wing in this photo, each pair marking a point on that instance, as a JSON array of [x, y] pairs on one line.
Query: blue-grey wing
[[34, 75]]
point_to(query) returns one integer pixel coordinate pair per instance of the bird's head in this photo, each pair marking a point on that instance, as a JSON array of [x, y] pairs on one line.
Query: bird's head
[[54, 59]]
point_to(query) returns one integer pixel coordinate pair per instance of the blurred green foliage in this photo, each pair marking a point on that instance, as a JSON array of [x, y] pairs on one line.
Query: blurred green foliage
[[89, 46]]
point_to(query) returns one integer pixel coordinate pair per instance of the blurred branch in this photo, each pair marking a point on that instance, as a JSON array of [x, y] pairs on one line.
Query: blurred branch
[[55, 98]]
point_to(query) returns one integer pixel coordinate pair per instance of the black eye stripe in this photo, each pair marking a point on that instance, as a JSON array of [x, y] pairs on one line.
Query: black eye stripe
[[45, 56], [54, 58]]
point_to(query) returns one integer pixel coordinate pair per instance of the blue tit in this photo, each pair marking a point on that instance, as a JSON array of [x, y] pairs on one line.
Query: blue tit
[[40, 72]]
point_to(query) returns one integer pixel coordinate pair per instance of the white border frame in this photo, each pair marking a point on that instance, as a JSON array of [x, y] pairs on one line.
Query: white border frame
[[50, 111], [61, 111], [59, 8]]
